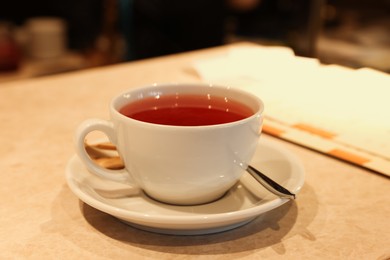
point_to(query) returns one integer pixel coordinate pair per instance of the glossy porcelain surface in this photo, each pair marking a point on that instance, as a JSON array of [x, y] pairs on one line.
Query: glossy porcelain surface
[[176, 164], [241, 204]]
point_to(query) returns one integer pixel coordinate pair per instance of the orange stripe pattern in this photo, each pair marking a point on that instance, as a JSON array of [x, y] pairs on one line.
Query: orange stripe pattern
[[272, 130], [356, 159], [314, 130]]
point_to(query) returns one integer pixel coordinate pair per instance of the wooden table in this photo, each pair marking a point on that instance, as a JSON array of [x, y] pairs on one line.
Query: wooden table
[[342, 211]]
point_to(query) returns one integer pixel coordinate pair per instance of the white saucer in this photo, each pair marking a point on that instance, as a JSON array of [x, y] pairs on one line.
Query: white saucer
[[241, 204]]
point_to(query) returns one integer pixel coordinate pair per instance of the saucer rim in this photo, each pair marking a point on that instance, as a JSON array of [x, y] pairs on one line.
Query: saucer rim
[[207, 219]]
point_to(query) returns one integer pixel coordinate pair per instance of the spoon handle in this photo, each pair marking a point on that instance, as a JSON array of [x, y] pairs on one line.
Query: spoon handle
[[270, 184]]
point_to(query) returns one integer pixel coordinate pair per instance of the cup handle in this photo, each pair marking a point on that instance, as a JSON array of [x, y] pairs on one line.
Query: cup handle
[[107, 128]]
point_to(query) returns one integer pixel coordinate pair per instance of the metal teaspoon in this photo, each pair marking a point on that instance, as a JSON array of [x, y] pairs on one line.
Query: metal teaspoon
[[270, 184]]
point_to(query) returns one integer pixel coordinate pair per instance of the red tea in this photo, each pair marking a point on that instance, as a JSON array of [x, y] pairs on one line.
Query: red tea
[[186, 110]]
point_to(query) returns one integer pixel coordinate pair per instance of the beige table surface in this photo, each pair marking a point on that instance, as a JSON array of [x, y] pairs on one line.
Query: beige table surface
[[342, 212]]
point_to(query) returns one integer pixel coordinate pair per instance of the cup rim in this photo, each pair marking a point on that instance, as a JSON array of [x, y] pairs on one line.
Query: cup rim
[[115, 104]]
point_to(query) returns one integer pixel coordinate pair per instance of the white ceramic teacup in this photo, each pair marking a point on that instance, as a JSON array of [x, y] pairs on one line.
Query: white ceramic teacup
[[182, 165]]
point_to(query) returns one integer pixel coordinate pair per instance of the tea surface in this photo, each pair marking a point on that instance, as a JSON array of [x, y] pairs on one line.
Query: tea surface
[[186, 110]]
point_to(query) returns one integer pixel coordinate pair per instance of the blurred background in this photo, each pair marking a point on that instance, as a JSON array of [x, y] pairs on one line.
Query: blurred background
[[45, 37]]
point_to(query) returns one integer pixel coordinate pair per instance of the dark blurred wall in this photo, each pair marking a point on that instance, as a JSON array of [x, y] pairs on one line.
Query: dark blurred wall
[[170, 26]]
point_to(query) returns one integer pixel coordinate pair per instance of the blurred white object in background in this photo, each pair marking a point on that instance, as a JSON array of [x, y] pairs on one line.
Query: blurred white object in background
[[46, 37]]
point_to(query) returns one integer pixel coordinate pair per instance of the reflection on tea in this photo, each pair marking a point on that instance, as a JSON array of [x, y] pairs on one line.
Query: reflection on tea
[[186, 110]]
